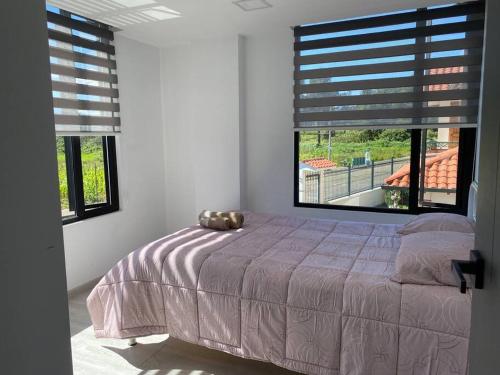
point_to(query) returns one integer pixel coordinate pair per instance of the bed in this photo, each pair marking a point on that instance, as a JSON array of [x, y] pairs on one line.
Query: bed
[[313, 296]]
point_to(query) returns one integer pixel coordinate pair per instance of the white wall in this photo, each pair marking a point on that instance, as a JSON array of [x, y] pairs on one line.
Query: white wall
[[368, 198], [206, 125], [201, 112], [93, 246], [269, 137]]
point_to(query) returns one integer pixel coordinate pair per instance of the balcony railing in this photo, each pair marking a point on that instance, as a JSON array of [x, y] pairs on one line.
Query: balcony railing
[[326, 185]]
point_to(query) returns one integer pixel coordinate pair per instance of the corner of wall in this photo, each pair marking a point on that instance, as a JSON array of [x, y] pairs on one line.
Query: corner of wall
[[163, 132], [204, 127], [242, 120]]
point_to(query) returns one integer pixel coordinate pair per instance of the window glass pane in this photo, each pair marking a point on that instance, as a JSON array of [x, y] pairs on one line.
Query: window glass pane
[[361, 168], [439, 164], [67, 208], [93, 170]]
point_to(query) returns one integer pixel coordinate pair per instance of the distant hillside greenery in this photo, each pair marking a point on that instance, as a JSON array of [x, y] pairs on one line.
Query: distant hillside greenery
[[382, 144]]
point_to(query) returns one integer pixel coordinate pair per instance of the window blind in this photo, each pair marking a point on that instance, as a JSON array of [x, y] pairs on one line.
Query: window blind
[[414, 69], [83, 71]]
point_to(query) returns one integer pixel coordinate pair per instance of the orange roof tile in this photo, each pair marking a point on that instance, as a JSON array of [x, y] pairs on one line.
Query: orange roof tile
[[440, 172], [447, 70], [320, 163]]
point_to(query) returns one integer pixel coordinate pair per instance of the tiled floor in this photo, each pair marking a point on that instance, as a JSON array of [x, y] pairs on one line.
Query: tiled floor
[[154, 355]]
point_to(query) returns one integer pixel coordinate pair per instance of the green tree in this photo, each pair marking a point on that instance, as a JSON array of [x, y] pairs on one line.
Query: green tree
[[395, 135]]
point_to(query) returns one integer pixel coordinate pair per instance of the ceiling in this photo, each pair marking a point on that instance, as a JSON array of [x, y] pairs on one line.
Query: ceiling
[[170, 22]]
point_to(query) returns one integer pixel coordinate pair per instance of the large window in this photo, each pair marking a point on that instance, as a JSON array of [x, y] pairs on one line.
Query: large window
[[372, 169], [386, 110], [86, 113]]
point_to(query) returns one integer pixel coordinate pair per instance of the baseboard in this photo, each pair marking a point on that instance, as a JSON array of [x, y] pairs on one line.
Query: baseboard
[[88, 285]]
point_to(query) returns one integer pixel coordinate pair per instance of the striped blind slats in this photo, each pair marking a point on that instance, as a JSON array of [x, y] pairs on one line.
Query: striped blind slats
[[402, 66], [86, 105], [83, 73], [473, 8], [410, 49], [387, 83], [382, 114], [419, 67], [77, 41], [80, 89], [384, 36], [82, 58], [87, 120], [389, 98], [90, 27], [84, 79]]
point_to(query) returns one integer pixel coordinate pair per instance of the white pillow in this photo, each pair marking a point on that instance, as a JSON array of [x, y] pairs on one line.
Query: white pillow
[[438, 221], [425, 257]]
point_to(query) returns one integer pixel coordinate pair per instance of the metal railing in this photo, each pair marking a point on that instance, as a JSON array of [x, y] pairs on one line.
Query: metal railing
[[330, 184]]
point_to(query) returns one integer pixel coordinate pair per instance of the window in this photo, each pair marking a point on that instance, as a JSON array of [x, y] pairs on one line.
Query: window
[[87, 176], [386, 110], [350, 167], [86, 113]]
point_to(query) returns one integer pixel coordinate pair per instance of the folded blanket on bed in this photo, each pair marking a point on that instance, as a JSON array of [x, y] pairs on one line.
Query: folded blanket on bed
[[221, 220]]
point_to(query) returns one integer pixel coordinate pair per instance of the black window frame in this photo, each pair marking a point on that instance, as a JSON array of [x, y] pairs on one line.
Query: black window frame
[[467, 135], [74, 173], [465, 170]]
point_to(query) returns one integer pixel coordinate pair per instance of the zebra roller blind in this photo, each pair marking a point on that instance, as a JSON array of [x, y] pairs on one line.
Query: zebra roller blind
[[84, 80], [414, 69]]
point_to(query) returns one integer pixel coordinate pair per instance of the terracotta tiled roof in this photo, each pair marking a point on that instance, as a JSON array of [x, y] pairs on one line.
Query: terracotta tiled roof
[[319, 163], [448, 70], [440, 172]]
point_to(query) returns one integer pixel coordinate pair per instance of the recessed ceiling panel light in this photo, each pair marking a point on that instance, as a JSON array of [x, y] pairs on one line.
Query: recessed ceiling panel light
[[250, 5]]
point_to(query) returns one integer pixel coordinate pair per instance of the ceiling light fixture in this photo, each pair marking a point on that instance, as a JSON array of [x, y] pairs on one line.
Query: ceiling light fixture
[[251, 5]]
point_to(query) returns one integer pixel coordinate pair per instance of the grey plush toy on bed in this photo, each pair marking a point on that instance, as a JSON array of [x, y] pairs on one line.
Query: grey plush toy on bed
[[221, 220]]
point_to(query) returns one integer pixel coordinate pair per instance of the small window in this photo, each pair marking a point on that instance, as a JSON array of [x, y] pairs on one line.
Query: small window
[[87, 176], [444, 167], [86, 113]]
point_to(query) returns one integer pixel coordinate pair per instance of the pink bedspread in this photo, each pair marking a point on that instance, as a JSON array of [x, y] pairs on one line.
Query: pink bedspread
[[312, 296]]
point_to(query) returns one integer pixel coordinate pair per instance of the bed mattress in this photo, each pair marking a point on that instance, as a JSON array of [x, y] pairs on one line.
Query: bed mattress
[[313, 296]]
